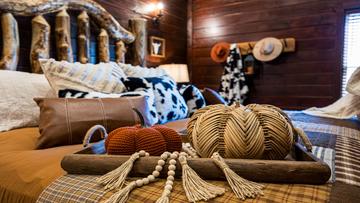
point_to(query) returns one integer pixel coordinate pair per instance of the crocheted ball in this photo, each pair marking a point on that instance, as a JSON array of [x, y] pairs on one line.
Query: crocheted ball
[[154, 140], [249, 132]]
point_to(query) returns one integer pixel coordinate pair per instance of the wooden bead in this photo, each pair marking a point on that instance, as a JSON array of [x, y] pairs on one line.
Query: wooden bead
[[164, 156], [158, 168], [171, 178], [151, 178], [173, 156], [156, 173], [168, 187], [172, 162], [169, 182], [171, 173], [147, 154], [142, 153], [172, 167], [161, 162], [139, 183], [145, 181]]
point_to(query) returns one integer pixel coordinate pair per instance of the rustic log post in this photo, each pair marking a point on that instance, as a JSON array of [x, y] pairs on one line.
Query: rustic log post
[[63, 37], [40, 42], [120, 51], [83, 37], [11, 44], [138, 27], [103, 43]]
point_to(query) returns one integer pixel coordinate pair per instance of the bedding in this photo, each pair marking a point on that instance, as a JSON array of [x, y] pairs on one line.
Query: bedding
[[25, 172], [148, 93], [102, 77], [16, 102], [65, 121], [170, 105], [193, 98], [327, 135]]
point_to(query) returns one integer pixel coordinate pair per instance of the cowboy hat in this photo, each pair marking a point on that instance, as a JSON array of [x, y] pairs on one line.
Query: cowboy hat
[[267, 49], [220, 52]]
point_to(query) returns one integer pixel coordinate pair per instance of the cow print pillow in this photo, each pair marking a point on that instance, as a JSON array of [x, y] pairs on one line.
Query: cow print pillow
[[193, 97], [170, 105], [148, 93]]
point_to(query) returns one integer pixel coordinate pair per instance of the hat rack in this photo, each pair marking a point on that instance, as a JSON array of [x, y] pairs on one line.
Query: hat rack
[[247, 47]]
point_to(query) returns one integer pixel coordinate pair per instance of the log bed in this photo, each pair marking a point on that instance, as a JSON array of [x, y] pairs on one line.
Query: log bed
[[89, 14]]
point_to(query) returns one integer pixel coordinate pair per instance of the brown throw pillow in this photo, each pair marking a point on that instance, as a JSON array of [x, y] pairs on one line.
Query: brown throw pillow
[[65, 121], [212, 97]]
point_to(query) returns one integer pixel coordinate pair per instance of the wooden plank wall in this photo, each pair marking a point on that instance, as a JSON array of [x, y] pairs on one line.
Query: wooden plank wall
[[172, 27], [309, 77]]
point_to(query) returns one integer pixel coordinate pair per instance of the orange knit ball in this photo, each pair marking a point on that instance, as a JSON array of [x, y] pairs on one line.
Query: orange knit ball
[[154, 140]]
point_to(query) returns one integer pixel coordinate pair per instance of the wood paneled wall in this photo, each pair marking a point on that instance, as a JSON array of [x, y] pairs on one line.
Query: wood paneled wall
[[309, 77], [172, 27]]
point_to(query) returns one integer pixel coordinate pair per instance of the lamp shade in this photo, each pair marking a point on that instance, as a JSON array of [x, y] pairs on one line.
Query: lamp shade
[[179, 72]]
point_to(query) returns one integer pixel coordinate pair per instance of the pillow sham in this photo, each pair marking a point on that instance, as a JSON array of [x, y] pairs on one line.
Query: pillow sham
[[147, 93], [16, 102], [193, 97], [138, 71], [169, 103], [65, 121], [102, 77]]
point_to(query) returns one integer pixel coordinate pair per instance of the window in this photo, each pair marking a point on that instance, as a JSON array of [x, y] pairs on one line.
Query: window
[[351, 56]]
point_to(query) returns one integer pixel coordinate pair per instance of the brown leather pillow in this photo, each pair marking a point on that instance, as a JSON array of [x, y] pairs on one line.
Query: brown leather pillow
[[65, 121], [212, 97]]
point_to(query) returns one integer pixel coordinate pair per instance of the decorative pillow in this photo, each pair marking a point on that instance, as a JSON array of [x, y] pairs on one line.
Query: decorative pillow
[[193, 97], [65, 121], [138, 71], [17, 108], [170, 105], [212, 97], [102, 77], [148, 93]]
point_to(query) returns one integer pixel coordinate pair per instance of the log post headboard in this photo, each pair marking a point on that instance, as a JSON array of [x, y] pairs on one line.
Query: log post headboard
[[109, 31]]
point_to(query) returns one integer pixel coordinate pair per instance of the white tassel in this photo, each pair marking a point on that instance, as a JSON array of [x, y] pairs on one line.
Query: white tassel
[[122, 195], [115, 179], [197, 189], [163, 199], [240, 186]]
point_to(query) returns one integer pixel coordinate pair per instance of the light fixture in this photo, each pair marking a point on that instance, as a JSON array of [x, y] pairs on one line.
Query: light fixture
[[178, 72], [152, 8]]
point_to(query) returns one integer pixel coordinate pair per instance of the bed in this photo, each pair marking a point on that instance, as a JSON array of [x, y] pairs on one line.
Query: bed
[[28, 175]]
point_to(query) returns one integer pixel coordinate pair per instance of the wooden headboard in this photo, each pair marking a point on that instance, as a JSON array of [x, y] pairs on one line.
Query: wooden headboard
[[55, 40]]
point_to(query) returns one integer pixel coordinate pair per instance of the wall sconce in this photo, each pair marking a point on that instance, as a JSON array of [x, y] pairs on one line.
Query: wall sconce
[[153, 8]]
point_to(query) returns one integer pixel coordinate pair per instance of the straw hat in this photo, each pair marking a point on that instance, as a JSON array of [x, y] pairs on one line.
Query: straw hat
[[267, 49], [220, 52]]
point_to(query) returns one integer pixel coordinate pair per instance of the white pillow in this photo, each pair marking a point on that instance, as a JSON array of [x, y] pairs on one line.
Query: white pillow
[[17, 107], [138, 71], [353, 85], [102, 77]]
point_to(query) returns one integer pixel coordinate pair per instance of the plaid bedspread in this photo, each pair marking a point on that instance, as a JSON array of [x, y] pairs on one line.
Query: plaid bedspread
[[336, 142]]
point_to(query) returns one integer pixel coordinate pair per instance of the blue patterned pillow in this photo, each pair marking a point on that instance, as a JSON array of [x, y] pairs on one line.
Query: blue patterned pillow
[[193, 97], [69, 93], [170, 105]]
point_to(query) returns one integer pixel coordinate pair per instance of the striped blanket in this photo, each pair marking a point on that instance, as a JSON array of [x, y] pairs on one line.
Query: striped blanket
[[337, 142]]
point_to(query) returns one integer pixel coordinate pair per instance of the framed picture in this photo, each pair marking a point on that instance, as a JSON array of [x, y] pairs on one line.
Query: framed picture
[[157, 46]]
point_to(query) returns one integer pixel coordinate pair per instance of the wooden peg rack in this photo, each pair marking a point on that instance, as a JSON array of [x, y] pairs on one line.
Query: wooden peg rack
[[247, 47]]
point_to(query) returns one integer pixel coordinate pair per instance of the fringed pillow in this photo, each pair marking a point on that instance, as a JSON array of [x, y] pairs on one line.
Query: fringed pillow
[[193, 97], [170, 105], [148, 93]]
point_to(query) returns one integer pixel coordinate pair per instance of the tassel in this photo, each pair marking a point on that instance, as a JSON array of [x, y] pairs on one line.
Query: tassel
[[197, 189], [122, 195], [240, 186], [115, 179], [163, 199]]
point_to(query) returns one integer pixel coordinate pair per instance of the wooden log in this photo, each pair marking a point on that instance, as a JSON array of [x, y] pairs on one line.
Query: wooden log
[[11, 44], [95, 10], [103, 43], [40, 42], [83, 37], [120, 51], [63, 37], [139, 49], [310, 170]]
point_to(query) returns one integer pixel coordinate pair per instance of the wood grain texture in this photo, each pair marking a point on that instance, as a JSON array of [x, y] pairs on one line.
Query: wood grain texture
[[309, 77], [172, 27]]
